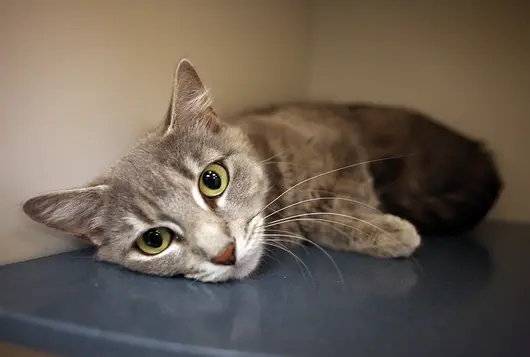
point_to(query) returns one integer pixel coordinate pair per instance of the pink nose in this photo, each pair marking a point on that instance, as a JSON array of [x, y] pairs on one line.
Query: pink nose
[[227, 257]]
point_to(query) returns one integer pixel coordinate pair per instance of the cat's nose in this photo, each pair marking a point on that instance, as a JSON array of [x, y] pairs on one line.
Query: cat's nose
[[227, 257]]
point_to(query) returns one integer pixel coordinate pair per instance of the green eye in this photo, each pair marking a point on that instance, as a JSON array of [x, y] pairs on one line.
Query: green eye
[[213, 180], [154, 241]]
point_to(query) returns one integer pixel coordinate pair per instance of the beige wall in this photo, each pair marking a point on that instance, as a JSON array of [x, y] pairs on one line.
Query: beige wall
[[466, 62], [80, 79]]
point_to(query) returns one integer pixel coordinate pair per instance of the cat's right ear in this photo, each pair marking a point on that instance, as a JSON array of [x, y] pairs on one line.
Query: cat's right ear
[[76, 211], [191, 103]]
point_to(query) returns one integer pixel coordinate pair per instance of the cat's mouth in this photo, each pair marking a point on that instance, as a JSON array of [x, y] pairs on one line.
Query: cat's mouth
[[249, 252]]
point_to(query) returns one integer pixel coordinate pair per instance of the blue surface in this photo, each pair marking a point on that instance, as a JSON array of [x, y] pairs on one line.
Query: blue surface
[[458, 297]]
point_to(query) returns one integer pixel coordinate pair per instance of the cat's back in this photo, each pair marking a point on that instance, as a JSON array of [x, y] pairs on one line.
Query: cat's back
[[296, 121], [440, 179]]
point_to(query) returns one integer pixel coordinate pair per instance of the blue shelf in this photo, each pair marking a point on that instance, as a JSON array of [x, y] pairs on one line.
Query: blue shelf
[[459, 296]]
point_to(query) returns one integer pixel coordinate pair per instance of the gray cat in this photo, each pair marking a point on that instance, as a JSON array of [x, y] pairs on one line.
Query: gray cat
[[203, 197]]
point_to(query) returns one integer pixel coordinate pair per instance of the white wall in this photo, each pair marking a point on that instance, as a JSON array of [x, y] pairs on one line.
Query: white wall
[[466, 62], [80, 79]]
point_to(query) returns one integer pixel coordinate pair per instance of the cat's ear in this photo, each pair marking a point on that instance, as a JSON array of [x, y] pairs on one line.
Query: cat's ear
[[191, 103], [76, 211]]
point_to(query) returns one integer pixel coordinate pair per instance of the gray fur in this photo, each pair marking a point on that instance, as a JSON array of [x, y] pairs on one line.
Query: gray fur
[[268, 152]]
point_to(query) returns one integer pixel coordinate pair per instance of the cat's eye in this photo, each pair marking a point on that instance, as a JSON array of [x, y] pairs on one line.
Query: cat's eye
[[155, 240], [213, 180]]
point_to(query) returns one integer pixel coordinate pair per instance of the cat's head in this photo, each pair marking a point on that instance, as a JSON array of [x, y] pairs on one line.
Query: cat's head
[[186, 200]]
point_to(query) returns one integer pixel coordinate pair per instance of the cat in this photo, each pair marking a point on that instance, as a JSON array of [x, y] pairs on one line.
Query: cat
[[203, 196]]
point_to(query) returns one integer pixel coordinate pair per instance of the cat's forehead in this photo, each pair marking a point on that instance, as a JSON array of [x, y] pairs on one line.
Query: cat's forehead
[[171, 160], [164, 168], [190, 150], [152, 162]]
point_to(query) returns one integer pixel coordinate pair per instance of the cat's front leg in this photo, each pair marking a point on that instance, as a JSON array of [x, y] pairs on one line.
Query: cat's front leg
[[345, 216], [388, 236], [376, 234]]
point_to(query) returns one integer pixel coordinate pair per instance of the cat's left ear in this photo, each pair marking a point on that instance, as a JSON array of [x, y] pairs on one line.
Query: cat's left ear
[[191, 103]]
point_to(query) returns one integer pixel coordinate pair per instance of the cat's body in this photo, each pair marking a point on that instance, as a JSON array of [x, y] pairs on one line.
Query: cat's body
[[203, 197], [438, 179]]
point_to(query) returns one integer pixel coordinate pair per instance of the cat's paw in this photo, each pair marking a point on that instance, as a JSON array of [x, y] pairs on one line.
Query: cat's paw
[[392, 237]]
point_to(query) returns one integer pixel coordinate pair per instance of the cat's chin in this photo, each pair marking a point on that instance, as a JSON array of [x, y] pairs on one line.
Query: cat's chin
[[222, 274]]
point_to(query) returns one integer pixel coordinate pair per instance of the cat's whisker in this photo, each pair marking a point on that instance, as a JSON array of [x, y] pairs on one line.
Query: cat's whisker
[[282, 220], [273, 232], [289, 232], [274, 237], [340, 231], [329, 172], [339, 272], [270, 237], [293, 236], [299, 237], [371, 238], [285, 219], [285, 249], [318, 220], [267, 231], [278, 231], [273, 156], [269, 254], [321, 221], [323, 198], [279, 214]]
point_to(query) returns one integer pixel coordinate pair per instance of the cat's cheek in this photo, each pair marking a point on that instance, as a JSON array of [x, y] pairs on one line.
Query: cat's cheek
[[249, 261]]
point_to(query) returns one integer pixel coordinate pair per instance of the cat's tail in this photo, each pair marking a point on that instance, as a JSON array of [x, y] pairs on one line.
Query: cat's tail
[[449, 182], [459, 204]]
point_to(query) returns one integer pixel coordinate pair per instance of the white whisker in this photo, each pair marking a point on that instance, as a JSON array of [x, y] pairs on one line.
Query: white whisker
[[274, 235], [323, 198], [281, 220], [339, 272], [272, 232], [296, 218], [273, 156], [323, 220], [285, 249], [326, 173]]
